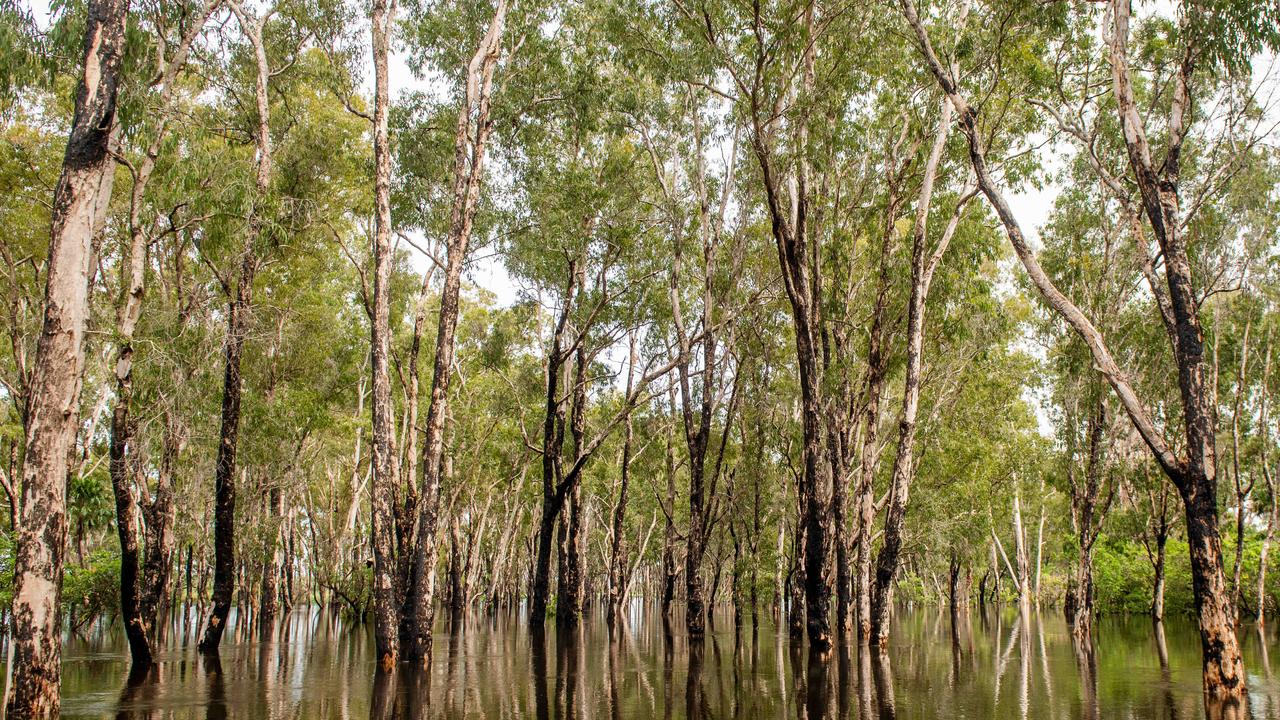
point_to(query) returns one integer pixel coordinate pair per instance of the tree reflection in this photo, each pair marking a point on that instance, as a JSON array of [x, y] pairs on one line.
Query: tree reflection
[[538, 655], [138, 694], [216, 702], [885, 702], [695, 704]]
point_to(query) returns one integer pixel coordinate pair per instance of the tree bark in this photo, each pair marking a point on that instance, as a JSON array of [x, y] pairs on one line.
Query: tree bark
[[137, 620], [552, 471], [238, 308], [1088, 520], [386, 471], [79, 205], [269, 591], [1274, 510], [618, 547], [470, 141], [922, 269]]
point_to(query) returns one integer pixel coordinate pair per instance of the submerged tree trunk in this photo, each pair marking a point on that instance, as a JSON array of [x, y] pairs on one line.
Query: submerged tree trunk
[[386, 471], [79, 204], [553, 483], [1242, 489], [922, 269], [469, 143], [239, 292], [569, 590], [269, 593], [1274, 510], [668, 566], [1088, 516], [877, 367], [138, 619], [618, 576]]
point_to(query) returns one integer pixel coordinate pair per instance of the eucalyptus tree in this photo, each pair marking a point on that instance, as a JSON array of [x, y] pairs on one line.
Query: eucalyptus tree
[[470, 139], [923, 269], [80, 202], [1207, 38], [142, 585], [386, 471], [772, 57]]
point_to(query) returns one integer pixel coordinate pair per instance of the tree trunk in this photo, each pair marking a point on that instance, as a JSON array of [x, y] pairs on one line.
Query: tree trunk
[[469, 145], [1158, 182], [876, 368], [669, 571], [79, 204], [1157, 592], [1242, 489], [139, 620], [225, 468], [269, 594], [238, 307], [570, 581], [553, 488], [1088, 524], [386, 471], [922, 268], [618, 549]]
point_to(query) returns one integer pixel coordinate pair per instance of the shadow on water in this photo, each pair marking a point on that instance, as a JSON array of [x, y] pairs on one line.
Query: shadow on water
[[314, 664]]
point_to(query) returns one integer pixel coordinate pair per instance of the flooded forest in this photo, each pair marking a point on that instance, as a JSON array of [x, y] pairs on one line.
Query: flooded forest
[[639, 358]]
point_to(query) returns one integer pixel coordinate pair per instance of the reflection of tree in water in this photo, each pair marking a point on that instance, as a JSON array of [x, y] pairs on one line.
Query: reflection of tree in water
[[568, 652], [139, 693], [216, 703], [538, 655], [940, 669], [817, 692], [695, 702], [885, 702], [1087, 661]]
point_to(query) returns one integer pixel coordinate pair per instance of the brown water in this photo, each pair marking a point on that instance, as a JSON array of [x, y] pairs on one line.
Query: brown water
[[993, 667]]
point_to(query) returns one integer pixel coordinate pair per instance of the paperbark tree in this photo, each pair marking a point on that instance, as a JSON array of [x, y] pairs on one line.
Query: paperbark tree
[[470, 141], [1193, 471], [922, 270], [386, 471], [80, 202], [239, 293], [138, 615]]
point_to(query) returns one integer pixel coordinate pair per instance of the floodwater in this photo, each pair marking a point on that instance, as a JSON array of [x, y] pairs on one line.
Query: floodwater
[[992, 666]]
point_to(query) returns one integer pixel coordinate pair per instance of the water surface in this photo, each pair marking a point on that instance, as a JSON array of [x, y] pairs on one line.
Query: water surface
[[993, 666]]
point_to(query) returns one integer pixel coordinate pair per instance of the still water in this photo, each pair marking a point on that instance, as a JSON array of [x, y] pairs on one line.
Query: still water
[[992, 666]]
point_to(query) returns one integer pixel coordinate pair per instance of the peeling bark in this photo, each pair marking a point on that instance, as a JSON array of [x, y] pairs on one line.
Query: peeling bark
[[80, 201]]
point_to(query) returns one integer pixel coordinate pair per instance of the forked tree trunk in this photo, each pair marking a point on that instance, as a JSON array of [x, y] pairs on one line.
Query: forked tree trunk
[[469, 143], [789, 221], [79, 204], [923, 266], [877, 366], [553, 485], [570, 581], [138, 620]]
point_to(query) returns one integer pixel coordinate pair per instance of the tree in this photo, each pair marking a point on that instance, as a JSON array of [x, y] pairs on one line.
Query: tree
[[80, 202]]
